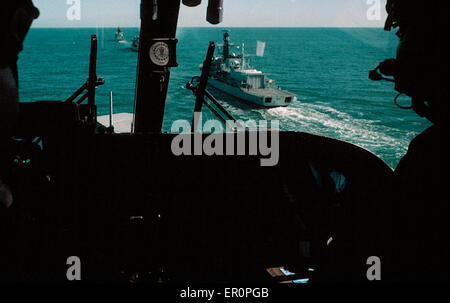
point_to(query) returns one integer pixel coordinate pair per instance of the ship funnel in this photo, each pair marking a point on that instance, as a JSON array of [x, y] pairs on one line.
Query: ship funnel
[[192, 3], [215, 11]]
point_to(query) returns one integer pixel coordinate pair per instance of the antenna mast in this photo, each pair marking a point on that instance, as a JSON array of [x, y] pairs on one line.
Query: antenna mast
[[243, 55]]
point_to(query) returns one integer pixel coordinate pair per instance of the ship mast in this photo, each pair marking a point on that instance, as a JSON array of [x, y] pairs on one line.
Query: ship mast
[[226, 45], [243, 56]]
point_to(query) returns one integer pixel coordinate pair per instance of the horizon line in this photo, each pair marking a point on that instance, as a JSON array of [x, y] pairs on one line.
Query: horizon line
[[212, 27]]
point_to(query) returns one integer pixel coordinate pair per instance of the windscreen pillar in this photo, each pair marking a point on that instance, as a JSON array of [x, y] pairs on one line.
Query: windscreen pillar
[[157, 54]]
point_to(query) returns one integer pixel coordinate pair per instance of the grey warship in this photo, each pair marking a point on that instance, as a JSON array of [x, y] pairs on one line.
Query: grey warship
[[120, 37], [231, 74]]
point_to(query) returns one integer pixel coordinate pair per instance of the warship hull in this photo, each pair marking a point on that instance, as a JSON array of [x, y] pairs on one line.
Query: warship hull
[[267, 97]]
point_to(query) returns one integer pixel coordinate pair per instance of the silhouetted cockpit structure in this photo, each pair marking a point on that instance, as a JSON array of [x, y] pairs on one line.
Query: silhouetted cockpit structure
[[131, 210]]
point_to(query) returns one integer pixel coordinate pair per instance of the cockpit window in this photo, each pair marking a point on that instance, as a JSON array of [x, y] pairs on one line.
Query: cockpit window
[[314, 63]]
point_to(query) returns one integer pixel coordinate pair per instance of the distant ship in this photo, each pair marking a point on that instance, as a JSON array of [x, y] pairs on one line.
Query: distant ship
[[119, 35], [135, 44], [231, 74]]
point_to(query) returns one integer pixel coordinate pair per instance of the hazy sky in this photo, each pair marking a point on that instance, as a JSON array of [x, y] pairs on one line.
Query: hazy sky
[[239, 13]]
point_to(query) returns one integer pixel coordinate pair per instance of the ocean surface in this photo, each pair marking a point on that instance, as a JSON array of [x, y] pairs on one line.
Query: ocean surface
[[326, 67]]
